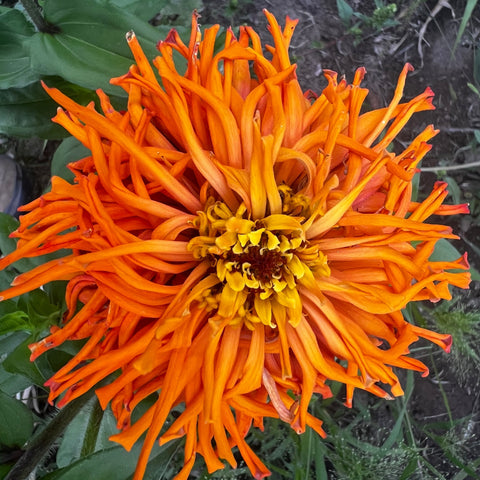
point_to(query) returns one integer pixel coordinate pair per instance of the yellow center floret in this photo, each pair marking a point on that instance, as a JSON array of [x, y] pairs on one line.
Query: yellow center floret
[[258, 263]]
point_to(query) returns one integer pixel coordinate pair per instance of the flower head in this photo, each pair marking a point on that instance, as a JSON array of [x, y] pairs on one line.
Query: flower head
[[234, 244]]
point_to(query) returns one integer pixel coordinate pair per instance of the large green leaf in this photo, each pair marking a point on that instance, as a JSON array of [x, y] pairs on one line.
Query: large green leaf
[[70, 449], [110, 463], [16, 422], [27, 111], [444, 252], [45, 438], [85, 446], [15, 34], [88, 432], [91, 47], [113, 462]]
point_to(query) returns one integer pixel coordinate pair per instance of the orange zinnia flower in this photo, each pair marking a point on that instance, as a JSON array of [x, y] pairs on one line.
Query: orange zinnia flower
[[235, 241]]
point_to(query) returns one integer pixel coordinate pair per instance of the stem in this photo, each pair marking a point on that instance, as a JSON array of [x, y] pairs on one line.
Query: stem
[[442, 392], [93, 427], [35, 13], [41, 443], [449, 168]]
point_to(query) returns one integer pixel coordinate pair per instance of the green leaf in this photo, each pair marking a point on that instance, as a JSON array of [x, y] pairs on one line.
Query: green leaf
[[70, 449], [78, 61], [165, 464], [345, 12], [44, 439], [6, 278], [4, 469], [19, 362], [476, 134], [454, 190], [70, 150], [41, 311], [8, 224], [16, 422], [52, 361], [472, 87], [110, 463], [444, 252], [107, 428], [9, 342], [410, 469], [7, 307], [27, 111], [14, 321], [475, 273], [15, 34], [114, 462], [91, 47], [56, 291], [88, 432], [467, 13], [11, 383]]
